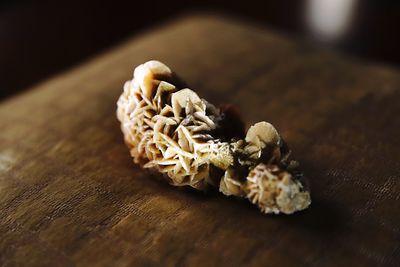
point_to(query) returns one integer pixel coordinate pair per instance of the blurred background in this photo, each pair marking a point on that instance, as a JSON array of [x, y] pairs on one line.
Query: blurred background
[[41, 38]]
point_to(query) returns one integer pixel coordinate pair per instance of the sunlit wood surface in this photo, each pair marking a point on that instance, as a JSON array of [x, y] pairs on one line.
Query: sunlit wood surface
[[71, 196]]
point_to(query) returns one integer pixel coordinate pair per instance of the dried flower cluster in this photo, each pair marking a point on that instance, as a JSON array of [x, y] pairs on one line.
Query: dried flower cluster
[[169, 128]]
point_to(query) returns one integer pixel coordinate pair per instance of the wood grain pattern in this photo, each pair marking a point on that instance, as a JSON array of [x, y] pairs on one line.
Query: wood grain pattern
[[70, 195]]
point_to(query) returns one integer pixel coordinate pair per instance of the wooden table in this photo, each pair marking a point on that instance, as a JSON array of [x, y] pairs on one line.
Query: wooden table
[[70, 194]]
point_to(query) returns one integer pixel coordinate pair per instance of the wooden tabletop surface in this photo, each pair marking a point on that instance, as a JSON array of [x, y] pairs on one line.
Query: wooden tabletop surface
[[71, 196]]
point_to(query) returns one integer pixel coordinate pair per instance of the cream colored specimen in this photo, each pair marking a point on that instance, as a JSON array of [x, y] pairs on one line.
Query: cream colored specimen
[[169, 128]]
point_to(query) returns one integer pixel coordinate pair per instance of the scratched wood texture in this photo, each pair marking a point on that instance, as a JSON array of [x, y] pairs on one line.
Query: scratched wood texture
[[71, 196]]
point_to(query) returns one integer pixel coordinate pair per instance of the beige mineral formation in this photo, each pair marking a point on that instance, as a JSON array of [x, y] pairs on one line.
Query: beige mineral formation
[[170, 129]]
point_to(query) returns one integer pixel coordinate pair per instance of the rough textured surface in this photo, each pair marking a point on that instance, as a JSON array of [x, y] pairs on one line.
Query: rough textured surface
[[70, 196], [169, 129]]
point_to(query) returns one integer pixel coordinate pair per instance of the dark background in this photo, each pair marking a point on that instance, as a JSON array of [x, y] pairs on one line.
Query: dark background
[[41, 38]]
